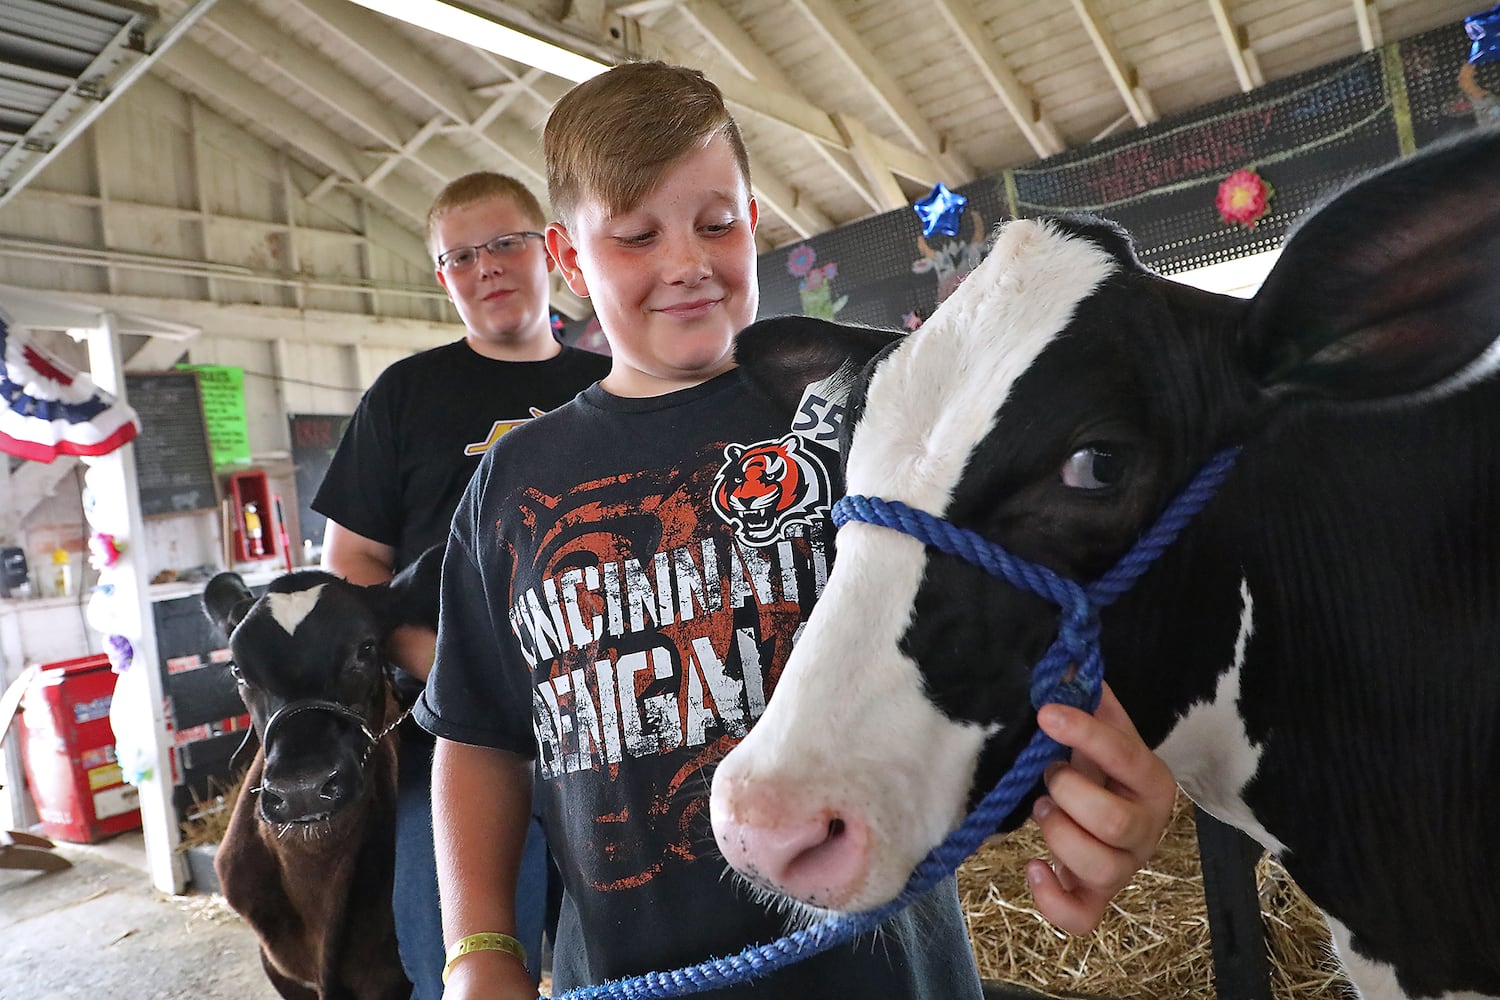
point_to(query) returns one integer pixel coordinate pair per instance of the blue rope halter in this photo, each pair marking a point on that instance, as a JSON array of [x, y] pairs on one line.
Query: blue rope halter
[[1076, 645]]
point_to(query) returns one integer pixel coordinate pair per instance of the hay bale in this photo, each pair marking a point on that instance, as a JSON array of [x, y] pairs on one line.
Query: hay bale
[[207, 818], [1155, 942]]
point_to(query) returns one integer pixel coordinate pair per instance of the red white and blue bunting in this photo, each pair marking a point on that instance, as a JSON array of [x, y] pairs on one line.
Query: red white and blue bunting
[[48, 408]]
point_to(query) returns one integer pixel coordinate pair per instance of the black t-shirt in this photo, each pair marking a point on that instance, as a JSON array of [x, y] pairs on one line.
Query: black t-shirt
[[622, 587], [421, 429]]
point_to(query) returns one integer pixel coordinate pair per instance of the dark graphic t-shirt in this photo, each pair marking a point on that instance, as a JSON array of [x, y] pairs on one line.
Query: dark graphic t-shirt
[[624, 584], [421, 429]]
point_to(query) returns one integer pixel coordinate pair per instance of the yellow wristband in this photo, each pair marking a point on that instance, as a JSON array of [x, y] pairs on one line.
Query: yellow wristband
[[483, 942]]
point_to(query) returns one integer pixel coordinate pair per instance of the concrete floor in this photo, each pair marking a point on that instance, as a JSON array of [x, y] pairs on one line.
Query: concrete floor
[[100, 931]]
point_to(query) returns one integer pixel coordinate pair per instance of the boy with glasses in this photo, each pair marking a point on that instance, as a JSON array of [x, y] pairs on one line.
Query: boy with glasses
[[405, 459]]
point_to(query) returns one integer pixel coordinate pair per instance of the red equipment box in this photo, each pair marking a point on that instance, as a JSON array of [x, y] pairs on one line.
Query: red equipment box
[[69, 750], [254, 528]]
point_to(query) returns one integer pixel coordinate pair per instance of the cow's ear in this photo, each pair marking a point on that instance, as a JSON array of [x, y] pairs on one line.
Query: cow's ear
[[1389, 290], [783, 356], [411, 598], [226, 600]]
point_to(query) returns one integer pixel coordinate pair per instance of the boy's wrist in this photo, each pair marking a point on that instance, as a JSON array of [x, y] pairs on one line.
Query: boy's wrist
[[491, 976], [488, 941]]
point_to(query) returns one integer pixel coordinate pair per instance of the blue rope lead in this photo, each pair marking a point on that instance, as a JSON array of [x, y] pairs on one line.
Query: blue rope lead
[[1077, 644]]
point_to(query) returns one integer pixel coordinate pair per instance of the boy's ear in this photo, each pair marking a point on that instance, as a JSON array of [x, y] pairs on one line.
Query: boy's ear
[[560, 249]]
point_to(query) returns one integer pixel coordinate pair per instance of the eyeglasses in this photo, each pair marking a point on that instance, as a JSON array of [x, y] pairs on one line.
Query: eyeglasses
[[506, 246]]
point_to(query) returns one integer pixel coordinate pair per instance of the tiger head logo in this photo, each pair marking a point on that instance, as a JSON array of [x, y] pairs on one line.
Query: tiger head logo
[[762, 488]]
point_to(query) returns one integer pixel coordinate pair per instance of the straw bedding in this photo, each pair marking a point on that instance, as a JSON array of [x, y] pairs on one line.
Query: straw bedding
[[1154, 944]]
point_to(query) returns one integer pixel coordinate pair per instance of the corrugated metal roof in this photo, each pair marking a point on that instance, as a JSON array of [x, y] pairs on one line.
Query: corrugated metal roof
[[55, 58]]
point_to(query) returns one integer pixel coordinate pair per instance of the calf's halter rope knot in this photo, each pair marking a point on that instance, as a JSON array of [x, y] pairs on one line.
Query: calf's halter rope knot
[[1054, 679]]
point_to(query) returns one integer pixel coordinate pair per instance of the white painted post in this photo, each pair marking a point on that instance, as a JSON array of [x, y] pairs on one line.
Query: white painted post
[[117, 510]]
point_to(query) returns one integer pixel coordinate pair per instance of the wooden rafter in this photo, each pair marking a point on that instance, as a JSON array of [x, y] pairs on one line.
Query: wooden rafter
[[310, 70], [784, 107], [370, 33], [600, 30], [1367, 16], [858, 139], [734, 44], [1241, 56], [895, 101], [1136, 98], [207, 75], [458, 107], [639, 8], [1024, 109]]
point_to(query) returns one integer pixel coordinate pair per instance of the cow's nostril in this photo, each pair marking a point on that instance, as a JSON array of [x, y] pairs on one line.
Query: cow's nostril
[[273, 806], [332, 789], [826, 871]]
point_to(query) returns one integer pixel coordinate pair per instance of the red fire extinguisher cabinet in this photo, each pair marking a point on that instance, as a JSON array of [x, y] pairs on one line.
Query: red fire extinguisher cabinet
[[69, 752], [254, 528]]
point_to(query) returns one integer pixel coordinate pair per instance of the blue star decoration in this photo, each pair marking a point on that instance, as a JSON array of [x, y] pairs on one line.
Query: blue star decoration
[[1484, 28], [941, 211]]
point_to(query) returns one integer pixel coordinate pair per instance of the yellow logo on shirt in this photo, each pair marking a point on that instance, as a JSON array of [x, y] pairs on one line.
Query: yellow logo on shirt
[[497, 431]]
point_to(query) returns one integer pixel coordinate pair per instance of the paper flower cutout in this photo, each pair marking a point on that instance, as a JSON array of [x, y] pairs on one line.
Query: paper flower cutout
[[104, 550], [814, 284], [800, 260], [1244, 198], [121, 653]]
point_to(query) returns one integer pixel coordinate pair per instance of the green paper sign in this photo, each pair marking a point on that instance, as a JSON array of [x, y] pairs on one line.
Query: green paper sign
[[223, 388]]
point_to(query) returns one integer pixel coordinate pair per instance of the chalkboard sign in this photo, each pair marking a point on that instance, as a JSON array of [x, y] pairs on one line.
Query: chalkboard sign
[[315, 437], [174, 467]]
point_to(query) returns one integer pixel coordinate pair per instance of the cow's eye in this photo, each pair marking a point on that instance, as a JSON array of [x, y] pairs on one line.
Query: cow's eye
[[367, 651], [1093, 468], [236, 673]]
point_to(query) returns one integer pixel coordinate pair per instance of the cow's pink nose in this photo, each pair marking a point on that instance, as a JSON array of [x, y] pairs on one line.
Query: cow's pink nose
[[813, 854]]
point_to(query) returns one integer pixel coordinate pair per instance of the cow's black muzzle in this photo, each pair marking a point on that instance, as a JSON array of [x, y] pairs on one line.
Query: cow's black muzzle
[[315, 790]]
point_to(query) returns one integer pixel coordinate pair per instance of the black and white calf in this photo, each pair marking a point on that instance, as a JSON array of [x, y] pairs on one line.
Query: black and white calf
[[1317, 658], [309, 854]]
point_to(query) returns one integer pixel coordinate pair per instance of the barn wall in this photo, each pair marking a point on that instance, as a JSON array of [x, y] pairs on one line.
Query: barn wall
[[167, 210], [164, 198]]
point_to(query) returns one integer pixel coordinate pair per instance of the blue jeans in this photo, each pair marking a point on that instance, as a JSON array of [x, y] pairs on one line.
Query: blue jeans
[[419, 921]]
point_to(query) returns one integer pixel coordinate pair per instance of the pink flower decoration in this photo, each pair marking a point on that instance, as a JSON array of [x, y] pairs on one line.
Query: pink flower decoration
[[104, 551], [1244, 198], [800, 260]]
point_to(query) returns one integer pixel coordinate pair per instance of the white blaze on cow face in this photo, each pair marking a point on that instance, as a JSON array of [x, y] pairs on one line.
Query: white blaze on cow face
[[850, 744], [289, 610]]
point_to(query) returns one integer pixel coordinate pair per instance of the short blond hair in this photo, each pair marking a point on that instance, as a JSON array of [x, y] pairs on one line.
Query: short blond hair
[[482, 185], [614, 136]]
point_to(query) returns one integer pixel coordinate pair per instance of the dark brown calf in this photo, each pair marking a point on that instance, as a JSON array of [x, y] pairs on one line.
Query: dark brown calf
[[309, 854]]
